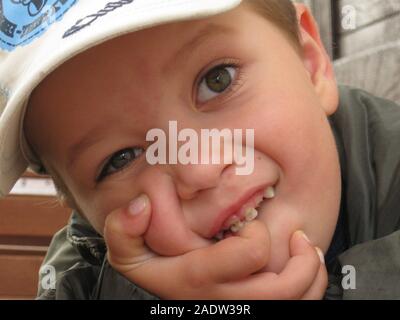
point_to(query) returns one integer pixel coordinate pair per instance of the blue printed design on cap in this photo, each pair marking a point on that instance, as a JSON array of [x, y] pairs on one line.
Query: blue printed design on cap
[[22, 21]]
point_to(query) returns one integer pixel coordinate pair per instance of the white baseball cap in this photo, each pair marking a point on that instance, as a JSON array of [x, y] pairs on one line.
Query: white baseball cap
[[36, 36]]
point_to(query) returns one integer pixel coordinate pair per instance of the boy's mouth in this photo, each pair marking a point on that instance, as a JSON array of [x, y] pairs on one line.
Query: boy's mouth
[[246, 213]]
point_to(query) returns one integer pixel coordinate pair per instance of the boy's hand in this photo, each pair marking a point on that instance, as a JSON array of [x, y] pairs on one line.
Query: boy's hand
[[225, 270]]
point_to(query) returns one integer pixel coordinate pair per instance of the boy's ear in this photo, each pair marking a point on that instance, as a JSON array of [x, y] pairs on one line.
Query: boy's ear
[[316, 60]]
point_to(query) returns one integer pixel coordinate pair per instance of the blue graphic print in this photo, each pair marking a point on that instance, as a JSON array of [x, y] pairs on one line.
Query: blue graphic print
[[22, 21]]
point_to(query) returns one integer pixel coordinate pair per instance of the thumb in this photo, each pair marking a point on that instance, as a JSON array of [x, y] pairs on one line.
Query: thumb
[[301, 245], [123, 231]]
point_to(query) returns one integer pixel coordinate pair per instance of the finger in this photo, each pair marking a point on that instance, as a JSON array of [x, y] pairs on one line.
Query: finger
[[123, 232], [232, 258], [262, 286], [297, 277], [318, 288], [301, 269]]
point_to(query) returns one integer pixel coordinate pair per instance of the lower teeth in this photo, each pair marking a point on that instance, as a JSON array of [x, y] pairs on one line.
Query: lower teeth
[[250, 215], [237, 226]]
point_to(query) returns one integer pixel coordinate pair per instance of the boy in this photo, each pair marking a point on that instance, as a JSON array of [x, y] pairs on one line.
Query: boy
[[259, 65]]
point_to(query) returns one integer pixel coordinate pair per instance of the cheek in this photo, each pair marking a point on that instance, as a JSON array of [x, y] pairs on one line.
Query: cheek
[[112, 194], [282, 220], [96, 205], [168, 233], [298, 138], [295, 134], [96, 218]]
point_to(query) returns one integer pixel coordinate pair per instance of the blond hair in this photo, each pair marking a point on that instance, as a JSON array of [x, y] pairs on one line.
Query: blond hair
[[282, 14]]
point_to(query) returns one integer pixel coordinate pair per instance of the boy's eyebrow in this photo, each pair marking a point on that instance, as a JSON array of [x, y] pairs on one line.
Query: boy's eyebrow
[[211, 30]]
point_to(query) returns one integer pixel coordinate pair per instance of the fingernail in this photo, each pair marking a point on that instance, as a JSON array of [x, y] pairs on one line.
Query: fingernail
[[304, 236], [321, 255], [138, 205]]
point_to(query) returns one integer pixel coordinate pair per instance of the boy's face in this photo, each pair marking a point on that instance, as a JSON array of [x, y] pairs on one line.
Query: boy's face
[[113, 94]]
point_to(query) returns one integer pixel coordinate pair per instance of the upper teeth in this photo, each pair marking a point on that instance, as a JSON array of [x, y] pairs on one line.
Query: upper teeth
[[269, 193], [250, 214], [237, 226]]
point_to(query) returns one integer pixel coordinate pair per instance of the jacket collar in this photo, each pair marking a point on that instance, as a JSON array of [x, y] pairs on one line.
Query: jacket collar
[[85, 239]]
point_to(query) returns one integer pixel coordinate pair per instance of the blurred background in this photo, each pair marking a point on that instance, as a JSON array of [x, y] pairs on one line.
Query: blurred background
[[361, 36]]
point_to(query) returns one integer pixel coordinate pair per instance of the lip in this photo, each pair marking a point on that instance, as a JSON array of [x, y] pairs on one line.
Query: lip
[[232, 209]]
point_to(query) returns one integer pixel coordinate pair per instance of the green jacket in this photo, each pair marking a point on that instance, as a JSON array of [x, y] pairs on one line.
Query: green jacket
[[367, 133]]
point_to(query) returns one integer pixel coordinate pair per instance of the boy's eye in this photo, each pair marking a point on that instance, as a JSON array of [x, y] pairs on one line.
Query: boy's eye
[[119, 161], [215, 82]]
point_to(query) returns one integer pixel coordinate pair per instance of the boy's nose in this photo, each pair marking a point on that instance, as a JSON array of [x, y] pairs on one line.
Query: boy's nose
[[191, 179]]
